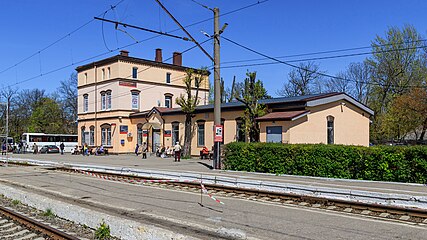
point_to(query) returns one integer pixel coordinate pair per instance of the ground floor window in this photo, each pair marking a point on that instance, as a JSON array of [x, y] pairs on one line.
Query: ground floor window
[[330, 129], [274, 134], [201, 134], [92, 136], [106, 135], [139, 135], [175, 132]]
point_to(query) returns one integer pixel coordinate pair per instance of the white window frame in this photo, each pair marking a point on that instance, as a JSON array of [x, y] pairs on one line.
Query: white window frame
[[85, 103], [108, 100], [168, 98], [106, 135]]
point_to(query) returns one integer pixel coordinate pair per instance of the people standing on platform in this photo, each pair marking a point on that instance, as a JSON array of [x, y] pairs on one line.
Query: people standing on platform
[[85, 150], [35, 148], [137, 149], [62, 146], [177, 149], [3, 149], [144, 150]]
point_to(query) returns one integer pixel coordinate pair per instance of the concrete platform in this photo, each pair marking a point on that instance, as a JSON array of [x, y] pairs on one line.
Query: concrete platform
[[203, 167]]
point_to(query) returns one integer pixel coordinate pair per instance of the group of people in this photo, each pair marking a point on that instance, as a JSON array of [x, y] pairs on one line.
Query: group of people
[[86, 150], [160, 151], [141, 150]]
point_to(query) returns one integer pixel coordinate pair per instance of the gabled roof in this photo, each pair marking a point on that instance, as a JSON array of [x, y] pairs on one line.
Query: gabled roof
[[285, 116], [298, 102]]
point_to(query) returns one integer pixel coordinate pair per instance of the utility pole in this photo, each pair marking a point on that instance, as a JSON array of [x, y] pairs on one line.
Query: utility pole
[[217, 89]]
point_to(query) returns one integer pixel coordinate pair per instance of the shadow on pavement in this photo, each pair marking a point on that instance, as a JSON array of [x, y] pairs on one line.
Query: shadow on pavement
[[206, 165]]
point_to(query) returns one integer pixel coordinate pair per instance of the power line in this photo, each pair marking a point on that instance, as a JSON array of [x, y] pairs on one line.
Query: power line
[[327, 52], [118, 48], [320, 58], [304, 69], [58, 40]]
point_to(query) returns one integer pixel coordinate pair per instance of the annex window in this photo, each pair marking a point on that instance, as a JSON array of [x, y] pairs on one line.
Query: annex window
[[200, 133], [103, 74], [108, 72], [135, 100], [85, 77], [168, 101], [103, 101], [330, 129], [85, 103], [135, 72], [175, 132], [168, 77], [106, 135], [92, 136]]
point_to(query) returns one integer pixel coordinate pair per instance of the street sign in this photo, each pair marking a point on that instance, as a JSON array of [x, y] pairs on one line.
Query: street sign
[[218, 133]]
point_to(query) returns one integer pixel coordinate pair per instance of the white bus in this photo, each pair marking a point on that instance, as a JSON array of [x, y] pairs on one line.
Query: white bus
[[41, 139]]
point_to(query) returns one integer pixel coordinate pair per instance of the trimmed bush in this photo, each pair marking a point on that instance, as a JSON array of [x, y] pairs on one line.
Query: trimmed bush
[[379, 163]]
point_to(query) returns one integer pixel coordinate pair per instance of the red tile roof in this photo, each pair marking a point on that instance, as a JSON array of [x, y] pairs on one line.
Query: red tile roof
[[288, 115]]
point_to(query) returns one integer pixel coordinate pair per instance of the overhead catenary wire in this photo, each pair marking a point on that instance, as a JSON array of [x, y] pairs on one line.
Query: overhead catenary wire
[[328, 52], [320, 58], [305, 69], [59, 40], [116, 49]]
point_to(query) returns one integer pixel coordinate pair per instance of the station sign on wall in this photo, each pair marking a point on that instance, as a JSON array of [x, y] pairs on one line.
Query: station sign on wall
[[127, 84], [123, 129], [168, 133]]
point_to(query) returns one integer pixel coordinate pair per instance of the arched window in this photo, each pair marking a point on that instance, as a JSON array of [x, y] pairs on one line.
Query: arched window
[[83, 132], [108, 94], [92, 135], [103, 100], [330, 129], [139, 134], [106, 134]]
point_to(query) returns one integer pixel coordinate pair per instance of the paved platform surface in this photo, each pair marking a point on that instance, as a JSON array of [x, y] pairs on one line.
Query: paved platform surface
[[203, 167], [249, 218]]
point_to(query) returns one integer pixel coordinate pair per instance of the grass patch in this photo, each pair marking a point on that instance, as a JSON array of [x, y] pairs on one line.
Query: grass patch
[[48, 213], [103, 231], [16, 202]]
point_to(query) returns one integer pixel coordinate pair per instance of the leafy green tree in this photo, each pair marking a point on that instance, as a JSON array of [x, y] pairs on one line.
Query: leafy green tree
[[396, 65], [251, 94], [47, 117], [188, 103]]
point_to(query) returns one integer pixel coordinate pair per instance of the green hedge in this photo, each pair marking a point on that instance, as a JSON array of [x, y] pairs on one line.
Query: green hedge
[[380, 163]]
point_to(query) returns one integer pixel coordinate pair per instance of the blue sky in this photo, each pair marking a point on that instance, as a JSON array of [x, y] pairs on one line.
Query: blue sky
[[273, 27]]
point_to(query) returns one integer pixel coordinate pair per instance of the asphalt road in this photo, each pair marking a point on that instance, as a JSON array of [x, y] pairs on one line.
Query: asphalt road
[[254, 219]]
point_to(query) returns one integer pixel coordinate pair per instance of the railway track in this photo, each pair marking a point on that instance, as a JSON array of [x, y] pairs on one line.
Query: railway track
[[17, 226], [413, 215]]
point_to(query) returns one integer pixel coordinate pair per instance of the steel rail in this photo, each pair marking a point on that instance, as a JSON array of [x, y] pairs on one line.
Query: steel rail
[[51, 232]]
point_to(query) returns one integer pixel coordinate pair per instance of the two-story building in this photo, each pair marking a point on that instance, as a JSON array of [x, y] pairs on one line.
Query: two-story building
[[125, 100]]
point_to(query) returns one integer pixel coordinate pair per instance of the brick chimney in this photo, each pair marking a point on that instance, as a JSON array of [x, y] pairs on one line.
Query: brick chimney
[[158, 55], [124, 53], [177, 58]]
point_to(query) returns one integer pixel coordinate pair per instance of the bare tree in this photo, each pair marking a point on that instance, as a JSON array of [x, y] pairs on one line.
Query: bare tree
[[302, 81]]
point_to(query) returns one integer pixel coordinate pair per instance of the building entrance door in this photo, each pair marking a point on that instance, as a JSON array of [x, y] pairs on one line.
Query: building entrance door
[[156, 139], [274, 134]]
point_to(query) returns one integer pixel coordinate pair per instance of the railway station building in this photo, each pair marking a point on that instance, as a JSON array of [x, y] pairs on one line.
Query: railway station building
[[123, 100]]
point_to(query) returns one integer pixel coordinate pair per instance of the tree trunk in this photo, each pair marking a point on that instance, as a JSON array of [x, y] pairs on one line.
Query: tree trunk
[[423, 132], [187, 136]]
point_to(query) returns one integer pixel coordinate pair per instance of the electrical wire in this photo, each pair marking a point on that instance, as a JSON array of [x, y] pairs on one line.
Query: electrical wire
[[320, 58], [308, 70], [327, 52], [116, 49], [58, 40]]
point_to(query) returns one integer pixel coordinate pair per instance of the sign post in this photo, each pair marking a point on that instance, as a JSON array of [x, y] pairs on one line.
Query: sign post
[[218, 138]]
